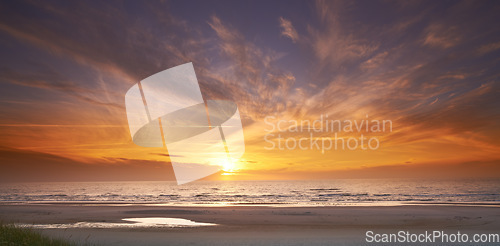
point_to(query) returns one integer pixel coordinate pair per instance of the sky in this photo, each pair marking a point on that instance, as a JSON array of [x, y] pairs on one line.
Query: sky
[[430, 67]]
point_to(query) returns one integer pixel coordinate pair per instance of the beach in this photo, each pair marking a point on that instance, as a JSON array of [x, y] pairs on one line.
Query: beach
[[248, 225]]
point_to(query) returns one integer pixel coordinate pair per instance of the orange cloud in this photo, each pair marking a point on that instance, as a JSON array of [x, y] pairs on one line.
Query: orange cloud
[[288, 30]]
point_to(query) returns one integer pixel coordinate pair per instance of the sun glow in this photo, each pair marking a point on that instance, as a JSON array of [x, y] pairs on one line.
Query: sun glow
[[227, 165]]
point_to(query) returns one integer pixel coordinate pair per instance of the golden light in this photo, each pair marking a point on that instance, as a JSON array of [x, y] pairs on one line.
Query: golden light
[[227, 165]]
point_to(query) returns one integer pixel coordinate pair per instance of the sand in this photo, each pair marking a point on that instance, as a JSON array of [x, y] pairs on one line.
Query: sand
[[254, 225]]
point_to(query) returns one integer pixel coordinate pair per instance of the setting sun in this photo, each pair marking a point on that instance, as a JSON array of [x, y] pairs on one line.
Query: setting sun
[[227, 165]]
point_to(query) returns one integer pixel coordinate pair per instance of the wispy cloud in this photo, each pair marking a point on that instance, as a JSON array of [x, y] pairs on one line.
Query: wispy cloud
[[132, 53], [332, 43], [50, 80], [487, 48], [288, 30], [375, 61], [251, 79], [441, 36]]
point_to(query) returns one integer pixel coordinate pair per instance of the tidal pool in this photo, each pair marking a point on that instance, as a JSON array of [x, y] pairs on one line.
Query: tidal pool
[[129, 223]]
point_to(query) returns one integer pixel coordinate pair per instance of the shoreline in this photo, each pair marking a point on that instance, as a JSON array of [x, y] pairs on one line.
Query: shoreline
[[233, 204]]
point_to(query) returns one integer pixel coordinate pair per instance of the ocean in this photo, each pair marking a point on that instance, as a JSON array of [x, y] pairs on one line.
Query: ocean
[[341, 192]]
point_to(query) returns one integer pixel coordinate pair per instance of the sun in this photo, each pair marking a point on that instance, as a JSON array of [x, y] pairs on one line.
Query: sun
[[227, 165]]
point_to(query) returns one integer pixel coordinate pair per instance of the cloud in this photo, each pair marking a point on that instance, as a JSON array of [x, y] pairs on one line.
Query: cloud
[[49, 79], [166, 155], [249, 77], [472, 169], [288, 30], [131, 53], [441, 36], [375, 61], [31, 166], [487, 48], [332, 43]]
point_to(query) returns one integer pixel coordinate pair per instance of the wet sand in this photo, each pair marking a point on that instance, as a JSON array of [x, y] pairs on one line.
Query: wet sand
[[253, 225]]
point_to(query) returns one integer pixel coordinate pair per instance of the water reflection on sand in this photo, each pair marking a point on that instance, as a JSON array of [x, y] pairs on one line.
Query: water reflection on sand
[[130, 223]]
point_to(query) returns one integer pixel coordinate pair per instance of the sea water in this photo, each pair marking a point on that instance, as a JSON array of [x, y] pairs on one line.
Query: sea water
[[341, 192]]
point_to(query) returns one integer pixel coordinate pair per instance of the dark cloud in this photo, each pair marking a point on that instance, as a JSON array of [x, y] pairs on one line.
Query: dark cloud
[[108, 36], [30, 166], [166, 155], [436, 170]]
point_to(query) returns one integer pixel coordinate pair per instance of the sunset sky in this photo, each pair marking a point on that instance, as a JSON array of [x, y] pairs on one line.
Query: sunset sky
[[431, 67]]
